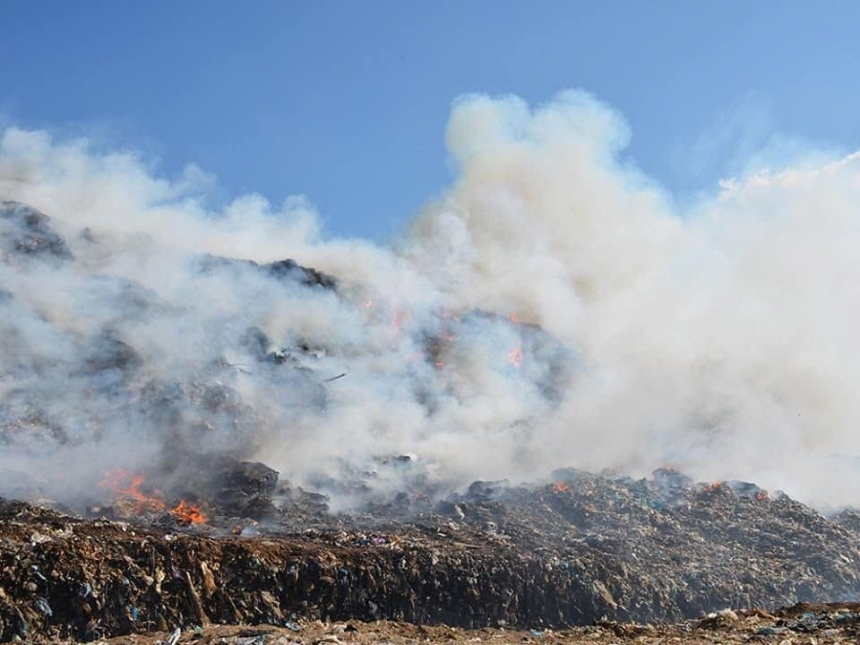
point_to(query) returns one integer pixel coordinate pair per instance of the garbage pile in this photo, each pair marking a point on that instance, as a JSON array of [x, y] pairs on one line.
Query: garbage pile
[[581, 549], [132, 422], [220, 360]]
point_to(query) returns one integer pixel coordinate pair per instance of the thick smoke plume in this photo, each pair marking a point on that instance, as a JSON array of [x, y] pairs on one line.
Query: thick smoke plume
[[553, 308]]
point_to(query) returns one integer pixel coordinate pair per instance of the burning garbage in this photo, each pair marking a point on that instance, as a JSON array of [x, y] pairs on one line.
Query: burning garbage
[[581, 549], [196, 529], [134, 499]]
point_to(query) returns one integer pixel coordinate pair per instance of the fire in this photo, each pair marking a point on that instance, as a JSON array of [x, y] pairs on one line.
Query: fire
[[131, 496], [514, 319], [515, 356], [559, 487], [127, 487], [188, 513]]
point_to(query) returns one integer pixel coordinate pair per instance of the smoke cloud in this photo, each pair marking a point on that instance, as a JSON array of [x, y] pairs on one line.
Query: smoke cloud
[[555, 307]]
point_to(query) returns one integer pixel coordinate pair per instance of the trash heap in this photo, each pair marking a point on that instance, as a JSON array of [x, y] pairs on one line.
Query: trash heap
[[206, 535], [580, 549]]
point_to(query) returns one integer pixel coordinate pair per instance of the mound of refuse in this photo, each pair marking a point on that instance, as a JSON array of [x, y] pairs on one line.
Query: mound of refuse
[[143, 386], [580, 549]]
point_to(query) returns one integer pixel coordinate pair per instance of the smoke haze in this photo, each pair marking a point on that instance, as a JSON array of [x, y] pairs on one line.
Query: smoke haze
[[553, 308]]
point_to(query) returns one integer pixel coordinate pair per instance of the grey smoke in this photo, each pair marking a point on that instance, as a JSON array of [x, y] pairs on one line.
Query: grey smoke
[[719, 340]]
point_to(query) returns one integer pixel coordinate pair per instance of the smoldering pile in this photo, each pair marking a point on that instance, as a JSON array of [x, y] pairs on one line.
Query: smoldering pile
[[103, 375], [162, 362], [554, 307], [106, 383], [186, 527], [578, 550]]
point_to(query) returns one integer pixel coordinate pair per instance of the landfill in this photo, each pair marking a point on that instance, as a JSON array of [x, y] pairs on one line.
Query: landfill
[[582, 550], [200, 541]]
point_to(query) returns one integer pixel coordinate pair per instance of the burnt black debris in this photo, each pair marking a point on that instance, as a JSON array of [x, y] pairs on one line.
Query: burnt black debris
[[25, 231], [283, 270], [243, 489], [291, 270]]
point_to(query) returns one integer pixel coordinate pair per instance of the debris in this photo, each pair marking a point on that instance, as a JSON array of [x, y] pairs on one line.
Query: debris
[[26, 232], [541, 556], [200, 614], [210, 537]]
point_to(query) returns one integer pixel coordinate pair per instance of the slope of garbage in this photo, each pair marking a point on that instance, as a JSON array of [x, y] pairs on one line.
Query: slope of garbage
[[579, 550], [221, 356], [131, 421]]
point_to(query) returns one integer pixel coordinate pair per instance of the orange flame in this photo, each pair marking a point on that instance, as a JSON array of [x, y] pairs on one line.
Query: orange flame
[[127, 487], [188, 513], [515, 356], [559, 487]]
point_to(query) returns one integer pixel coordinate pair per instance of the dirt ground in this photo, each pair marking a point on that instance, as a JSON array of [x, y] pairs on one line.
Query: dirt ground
[[801, 624]]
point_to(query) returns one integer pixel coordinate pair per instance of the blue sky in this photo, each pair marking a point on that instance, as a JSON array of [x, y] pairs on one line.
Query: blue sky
[[346, 102]]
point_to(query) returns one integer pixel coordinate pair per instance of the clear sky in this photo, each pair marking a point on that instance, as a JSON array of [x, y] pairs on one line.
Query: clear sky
[[346, 102]]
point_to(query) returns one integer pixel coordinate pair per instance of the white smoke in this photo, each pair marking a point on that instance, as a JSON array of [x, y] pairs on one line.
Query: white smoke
[[719, 340]]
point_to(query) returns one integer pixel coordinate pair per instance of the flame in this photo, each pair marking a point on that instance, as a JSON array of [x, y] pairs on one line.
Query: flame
[[514, 318], [188, 513], [559, 487], [515, 356], [127, 488]]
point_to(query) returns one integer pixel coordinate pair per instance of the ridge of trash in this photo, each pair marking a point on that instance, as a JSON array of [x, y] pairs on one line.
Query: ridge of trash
[[581, 549], [222, 540]]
